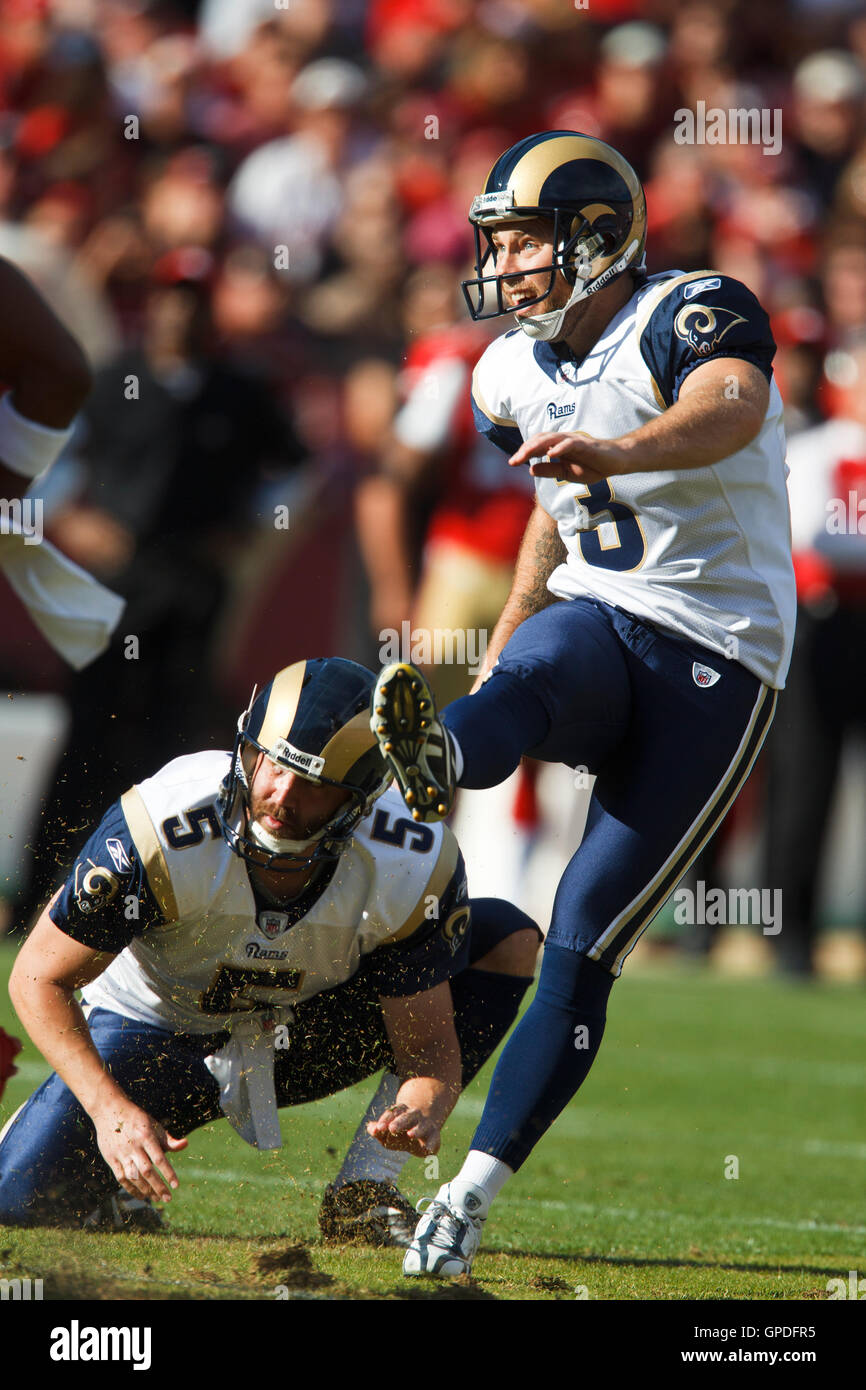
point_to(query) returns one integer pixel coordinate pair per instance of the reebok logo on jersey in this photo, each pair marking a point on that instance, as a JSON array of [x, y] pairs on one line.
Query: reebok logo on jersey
[[119, 857], [704, 676], [699, 285]]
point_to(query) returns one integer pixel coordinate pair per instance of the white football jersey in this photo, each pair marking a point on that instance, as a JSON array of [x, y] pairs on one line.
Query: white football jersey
[[196, 945], [703, 552]]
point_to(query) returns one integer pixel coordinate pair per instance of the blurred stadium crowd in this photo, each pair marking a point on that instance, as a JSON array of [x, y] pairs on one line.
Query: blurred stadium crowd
[[257, 210]]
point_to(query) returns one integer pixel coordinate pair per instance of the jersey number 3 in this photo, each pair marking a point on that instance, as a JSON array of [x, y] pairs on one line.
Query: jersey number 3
[[624, 545]]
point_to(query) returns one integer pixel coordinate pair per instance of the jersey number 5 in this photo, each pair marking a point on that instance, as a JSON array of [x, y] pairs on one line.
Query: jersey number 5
[[231, 988], [188, 829], [624, 545], [420, 836]]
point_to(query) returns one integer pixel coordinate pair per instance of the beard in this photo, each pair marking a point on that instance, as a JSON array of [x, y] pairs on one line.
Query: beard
[[294, 837]]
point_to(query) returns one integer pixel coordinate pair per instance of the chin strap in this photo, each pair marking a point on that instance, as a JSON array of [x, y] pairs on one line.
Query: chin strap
[[544, 327], [547, 327], [276, 845]]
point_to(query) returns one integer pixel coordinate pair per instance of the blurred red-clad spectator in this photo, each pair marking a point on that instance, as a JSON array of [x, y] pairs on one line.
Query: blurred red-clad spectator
[[822, 705]]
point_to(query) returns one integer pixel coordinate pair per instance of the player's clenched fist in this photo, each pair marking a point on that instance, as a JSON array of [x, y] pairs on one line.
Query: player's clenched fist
[[134, 1146], [407, 1129]]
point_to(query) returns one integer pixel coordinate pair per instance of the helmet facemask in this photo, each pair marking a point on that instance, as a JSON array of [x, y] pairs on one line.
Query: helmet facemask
[[578, 248]]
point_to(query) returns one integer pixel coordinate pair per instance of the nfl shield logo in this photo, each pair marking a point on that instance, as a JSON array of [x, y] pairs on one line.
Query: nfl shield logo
[[272, 923], [704, 675]]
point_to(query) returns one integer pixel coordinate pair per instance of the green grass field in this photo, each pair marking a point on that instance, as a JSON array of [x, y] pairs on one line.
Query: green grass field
[[626, 1198]]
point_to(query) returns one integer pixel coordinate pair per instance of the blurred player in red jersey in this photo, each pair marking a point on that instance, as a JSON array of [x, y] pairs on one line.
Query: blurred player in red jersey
[[435, 468], [9, 1049], [439, 477], [824, 703]]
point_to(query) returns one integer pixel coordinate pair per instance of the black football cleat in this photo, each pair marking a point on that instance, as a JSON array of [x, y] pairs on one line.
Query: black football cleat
[[122, 1212], [367, 1212], [415, 745]]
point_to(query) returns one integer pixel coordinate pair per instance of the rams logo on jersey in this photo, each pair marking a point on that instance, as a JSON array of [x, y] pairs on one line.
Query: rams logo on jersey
[[94, 887], [702, 328], [455, 928]]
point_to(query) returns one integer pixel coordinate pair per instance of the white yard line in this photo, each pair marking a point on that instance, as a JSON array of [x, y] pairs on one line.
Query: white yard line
[[645, 1213], [234, 1175]]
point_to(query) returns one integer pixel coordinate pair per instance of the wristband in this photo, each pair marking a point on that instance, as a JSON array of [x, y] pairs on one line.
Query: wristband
[[25, 446]]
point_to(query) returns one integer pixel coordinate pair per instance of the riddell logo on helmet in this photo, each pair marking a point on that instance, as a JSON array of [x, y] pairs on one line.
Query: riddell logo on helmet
[[294, 757], [613, 270]]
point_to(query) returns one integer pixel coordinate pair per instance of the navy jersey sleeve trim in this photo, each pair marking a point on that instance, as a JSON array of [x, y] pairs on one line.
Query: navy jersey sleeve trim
[[758, 360], [436, 950], [700, 320], [506, 437], [107, 901]]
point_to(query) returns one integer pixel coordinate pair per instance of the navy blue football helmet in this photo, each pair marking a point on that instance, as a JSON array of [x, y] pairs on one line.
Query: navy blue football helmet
[[314, 719], [595, 203]]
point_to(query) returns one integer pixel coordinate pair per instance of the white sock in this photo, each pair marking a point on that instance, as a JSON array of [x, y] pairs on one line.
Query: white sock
[[481, 1170], [458, 756], [366, 1157]]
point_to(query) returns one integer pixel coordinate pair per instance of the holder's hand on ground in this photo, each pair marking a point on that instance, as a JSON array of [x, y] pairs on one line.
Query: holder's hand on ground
[[409, 1130], [134, 1146]]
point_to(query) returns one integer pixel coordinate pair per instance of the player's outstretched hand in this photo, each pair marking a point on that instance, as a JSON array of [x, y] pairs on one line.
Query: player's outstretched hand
[[571, 457], [401, 1127], [134, 1146]]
